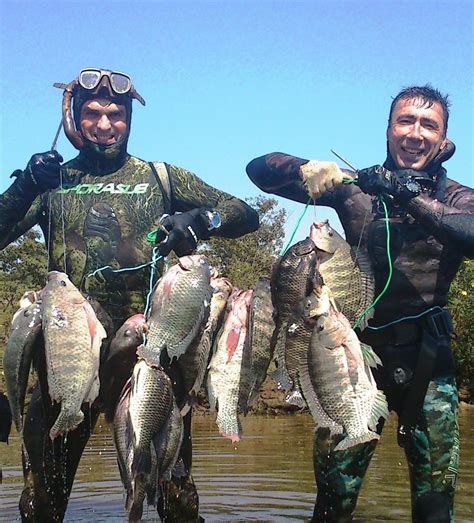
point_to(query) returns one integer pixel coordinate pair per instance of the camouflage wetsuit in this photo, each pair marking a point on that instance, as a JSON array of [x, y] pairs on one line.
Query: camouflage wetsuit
[[428, 244], [100, 217]]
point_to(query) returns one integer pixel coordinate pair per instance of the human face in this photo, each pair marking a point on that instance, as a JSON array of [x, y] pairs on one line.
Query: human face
[[103, 122], [416, 133]]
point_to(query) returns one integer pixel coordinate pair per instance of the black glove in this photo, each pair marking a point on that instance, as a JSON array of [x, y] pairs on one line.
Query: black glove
[[400, 185], [42, 171], [184, 232]]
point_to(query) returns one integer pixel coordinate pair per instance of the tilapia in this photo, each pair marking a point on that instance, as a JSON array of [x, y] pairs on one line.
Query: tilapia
[[168, 444], [120, 360], [261, 326], [151, 404], [180, 305], [290, 283], [193, 363], [223, 382], [343, 381], [73, 336], [26, 327], [299, 333], [347, 271], [136, 489]]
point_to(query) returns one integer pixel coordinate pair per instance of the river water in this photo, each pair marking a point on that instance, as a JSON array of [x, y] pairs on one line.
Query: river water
[[268, 476]]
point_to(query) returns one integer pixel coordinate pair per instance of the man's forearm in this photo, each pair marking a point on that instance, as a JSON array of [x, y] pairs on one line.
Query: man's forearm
[[279, 173], [14, 204], [447, 224]]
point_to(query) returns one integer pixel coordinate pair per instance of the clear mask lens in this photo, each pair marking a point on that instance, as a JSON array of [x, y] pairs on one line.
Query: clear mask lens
[[89, 79], [121, 83]]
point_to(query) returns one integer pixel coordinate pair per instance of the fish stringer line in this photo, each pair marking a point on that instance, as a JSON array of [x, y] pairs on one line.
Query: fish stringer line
[[298, 223]]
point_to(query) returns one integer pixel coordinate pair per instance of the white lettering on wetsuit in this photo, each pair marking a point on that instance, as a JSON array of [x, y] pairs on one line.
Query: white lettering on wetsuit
[[99, 188]]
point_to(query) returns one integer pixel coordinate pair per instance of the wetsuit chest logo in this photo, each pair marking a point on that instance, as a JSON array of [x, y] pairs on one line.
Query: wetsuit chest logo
[[101, 188]]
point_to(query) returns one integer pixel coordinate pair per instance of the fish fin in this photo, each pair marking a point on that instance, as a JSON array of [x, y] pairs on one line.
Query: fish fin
[[349, 442], [141, 463], [379, 410], [281, 379], [295, 398], [370, 357], [65, 422], [151, 355]]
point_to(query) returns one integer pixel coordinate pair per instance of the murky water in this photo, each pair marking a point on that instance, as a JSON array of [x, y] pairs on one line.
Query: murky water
[[266, 477]]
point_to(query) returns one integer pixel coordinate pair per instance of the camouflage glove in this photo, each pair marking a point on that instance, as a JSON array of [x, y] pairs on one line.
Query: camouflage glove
[[400, 185], [320, 177], [42, 172], [181, 232]]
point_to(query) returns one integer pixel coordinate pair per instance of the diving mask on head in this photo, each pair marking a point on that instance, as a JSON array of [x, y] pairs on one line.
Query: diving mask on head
[[90, 83]]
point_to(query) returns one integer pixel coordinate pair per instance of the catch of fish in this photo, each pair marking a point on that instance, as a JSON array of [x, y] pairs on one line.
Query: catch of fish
[[216, 339]]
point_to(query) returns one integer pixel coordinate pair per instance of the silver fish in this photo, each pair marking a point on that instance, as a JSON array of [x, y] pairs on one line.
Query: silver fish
[[291, 282], [26, 326], [151, 403], [343, 381], [260, 332], [144, 485], [73, 336], [347, 271], [193, 363], [225, 368], [180, 305]]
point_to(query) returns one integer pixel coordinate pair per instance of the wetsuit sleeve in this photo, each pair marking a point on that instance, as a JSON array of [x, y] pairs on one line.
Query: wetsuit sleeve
[[280, 174], [451, 221], [190, 192], [17, 211]]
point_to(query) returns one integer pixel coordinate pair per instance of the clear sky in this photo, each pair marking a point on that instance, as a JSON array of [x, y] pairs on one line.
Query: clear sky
[[226, 81]]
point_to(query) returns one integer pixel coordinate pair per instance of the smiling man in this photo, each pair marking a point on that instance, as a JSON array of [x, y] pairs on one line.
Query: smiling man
[[96, 212], [431, 221]]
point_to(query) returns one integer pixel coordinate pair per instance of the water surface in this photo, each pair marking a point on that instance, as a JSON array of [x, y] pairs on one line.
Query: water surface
[[268, 476]]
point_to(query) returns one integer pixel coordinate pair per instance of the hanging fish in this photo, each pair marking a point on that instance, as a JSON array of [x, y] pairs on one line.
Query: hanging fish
[[180, 305], [225, 368], [26, 328], [193, 363], [343, 382], [346, 270], [73, 336], [291, 282]]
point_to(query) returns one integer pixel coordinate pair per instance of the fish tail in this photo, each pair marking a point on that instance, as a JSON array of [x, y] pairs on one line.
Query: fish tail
[[65, 422], [349, 442], [136, 512], [379, 409]]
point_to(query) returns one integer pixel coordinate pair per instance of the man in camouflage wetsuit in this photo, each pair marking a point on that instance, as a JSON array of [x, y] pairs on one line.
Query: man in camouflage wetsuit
[[95, 211], [431, 219]]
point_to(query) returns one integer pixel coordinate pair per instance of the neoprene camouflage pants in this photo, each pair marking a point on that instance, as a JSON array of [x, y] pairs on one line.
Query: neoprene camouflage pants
[[432, 455]]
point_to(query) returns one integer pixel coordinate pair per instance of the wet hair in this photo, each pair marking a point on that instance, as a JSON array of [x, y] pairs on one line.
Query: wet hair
[[429, 95]]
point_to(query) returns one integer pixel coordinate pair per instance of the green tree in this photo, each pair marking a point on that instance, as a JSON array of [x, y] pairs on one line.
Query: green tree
[[461, 301], [244, 259], [23, 266]]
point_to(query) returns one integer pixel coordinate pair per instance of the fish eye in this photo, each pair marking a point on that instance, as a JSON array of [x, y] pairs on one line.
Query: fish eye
[[63, 283], [127, 333], [320, 328]]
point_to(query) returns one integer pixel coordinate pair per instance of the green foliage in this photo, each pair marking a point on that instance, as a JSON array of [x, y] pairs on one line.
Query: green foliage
[[23, 266], [244, 259], [461, 302]]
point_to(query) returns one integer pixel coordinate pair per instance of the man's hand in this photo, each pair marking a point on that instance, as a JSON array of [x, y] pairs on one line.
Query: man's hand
[[320, 177], [43, 169], [181, 232], [399, 184]]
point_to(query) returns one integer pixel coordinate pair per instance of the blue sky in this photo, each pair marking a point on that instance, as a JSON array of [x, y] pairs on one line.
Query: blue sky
[[226, 81]]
